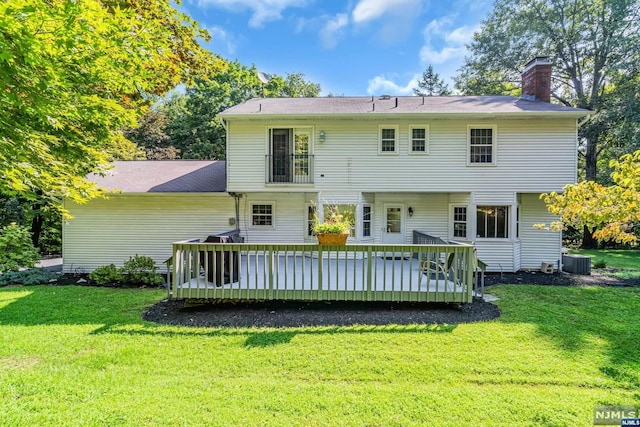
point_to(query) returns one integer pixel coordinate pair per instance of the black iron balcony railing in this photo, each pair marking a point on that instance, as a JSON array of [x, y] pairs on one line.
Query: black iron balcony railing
[[292, 169]]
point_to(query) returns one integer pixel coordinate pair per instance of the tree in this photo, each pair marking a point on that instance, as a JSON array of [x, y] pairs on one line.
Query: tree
[[150, 136], [588, 41], [193, 123], [431, 84], [611, 213], [73, 75]]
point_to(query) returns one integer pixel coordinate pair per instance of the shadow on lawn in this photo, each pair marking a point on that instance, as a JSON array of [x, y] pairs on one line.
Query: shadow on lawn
[[577, 317], [117, 311]]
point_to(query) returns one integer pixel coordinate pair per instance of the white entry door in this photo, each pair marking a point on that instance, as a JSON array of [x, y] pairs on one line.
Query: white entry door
[[393, 233]]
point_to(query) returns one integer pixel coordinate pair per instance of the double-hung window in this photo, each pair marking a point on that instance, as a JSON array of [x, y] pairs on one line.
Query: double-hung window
[[419, 139], [481, 145], [388, 139], [262, 215], [460, 222], [366, 221]]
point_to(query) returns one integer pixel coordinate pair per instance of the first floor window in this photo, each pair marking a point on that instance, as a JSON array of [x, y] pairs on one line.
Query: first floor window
[[460, 222], [366, 221], [311, 219], [492, 222], [262, 214]]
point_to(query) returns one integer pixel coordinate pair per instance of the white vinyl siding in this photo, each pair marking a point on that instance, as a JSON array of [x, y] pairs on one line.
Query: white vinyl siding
[[108, 231], [534, 156], [537, 245]]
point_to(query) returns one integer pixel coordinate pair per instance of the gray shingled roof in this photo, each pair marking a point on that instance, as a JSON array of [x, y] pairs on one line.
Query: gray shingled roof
[[165, 176], [431, 105]]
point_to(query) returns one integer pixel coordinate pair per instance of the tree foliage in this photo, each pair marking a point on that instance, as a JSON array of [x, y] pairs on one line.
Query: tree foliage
[[73, 74], [431, 84], [193, 126], [612, 212], [588, 41]]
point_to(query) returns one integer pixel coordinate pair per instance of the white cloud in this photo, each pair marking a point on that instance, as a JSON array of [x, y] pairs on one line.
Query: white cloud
[[221, 37], [380, 84], [368, 10], [332, 29], [394, 18], [263, 10], [443, 44]]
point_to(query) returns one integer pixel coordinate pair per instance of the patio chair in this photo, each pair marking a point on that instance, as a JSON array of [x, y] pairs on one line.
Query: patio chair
[[442, 271]]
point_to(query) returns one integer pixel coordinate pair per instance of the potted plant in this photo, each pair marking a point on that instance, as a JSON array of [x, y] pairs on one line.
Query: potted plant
[[335, 228]]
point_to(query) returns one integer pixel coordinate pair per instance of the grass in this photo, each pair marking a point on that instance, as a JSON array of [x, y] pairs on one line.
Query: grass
[[81, 356], [626, 261]]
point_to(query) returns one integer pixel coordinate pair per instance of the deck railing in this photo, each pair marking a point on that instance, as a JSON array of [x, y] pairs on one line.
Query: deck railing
[[241, 271]]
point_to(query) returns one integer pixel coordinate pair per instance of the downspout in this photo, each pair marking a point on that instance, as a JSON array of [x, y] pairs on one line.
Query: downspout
[[237, 197]]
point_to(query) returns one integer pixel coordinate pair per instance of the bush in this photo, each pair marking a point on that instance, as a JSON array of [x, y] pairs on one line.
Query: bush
[[141, 270], [16, 248], [600, 264], [106, 275], [33, 276]]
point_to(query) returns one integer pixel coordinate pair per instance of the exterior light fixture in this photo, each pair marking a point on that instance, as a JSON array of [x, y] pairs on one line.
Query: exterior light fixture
[[322, 136], [410, 211]]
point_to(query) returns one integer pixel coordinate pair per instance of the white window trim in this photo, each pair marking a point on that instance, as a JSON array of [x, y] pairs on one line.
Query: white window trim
[[510, 230], [306, 220], [426, 139], [494, 144], [452, 236], [293, 127], [362, 221], [396, 150], [273, 215]]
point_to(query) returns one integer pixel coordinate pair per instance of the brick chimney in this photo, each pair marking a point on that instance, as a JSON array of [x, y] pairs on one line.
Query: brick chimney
[[536, 80]]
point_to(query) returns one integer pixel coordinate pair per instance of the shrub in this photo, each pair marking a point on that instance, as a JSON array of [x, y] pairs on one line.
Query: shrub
[[33, 276], [16, 248], [600, 264], [141, 270], [106, 275]]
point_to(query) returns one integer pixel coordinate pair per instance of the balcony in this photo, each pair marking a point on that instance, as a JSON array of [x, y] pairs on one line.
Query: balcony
[[289, 169]]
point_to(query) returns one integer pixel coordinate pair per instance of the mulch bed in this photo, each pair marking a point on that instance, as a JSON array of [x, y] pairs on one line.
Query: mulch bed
[[292, 314]]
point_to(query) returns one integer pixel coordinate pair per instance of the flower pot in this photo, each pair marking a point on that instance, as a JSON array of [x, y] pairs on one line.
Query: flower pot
[[332, 238]]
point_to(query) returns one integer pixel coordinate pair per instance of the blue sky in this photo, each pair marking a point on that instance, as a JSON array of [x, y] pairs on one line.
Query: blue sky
[[351, 47]]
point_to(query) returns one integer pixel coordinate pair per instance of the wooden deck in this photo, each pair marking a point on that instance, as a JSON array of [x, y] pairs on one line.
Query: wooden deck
[[315, 272]]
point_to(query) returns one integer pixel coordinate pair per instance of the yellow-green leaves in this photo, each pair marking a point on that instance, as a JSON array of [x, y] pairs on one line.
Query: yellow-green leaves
[[611, 212]]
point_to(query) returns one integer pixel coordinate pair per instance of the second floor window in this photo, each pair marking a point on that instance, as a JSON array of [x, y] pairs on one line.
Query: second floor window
[[419, 142], [482, 145], [388, 140]]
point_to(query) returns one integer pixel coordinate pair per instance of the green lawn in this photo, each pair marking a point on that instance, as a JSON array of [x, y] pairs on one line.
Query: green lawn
[[627, 261], [81, 356]]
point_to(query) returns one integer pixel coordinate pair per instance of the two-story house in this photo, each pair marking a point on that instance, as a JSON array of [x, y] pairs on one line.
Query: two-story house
[[465, 168]]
